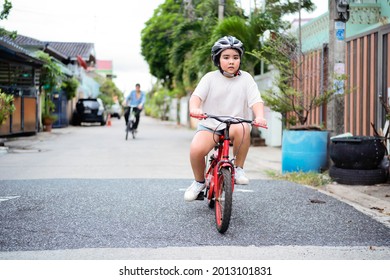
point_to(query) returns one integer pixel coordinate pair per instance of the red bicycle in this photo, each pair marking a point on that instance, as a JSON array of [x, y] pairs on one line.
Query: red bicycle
[[220, 173]]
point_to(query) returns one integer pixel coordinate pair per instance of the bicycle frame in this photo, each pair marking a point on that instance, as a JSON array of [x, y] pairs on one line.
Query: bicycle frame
[[130, 123], [218, 161], [131, 114]]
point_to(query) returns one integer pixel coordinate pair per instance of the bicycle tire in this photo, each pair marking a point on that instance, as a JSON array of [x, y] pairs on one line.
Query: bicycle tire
[[133, 131], [223, 200], [128, 128]]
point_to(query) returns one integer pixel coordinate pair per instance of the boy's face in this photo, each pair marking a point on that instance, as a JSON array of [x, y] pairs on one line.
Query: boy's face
[[230, 61]]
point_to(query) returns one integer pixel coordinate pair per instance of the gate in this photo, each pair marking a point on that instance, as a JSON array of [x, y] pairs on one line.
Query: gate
[[60, 100], [368, 73], [314, 82], [24, 119]]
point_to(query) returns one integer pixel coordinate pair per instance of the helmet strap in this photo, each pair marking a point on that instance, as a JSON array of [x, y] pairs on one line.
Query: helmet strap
[[226, 74]]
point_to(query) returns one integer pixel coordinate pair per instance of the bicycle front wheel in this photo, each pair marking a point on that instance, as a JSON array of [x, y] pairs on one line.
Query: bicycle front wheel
[[223, 200], [128, 129], [133, 132]]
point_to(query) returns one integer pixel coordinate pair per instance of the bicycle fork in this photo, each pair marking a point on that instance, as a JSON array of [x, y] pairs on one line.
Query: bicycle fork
[[213, 175]]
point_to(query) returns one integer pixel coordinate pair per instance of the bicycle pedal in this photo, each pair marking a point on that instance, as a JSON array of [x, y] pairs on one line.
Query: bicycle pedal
[[200, 196]]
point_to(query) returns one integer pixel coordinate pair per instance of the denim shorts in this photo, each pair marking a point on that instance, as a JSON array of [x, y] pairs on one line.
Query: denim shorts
[[203, 128]]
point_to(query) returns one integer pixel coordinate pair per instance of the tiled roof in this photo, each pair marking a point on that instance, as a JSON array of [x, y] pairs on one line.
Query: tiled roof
[[67, 50], [12, 45], [10, 48], [72, 50], [28, 41]]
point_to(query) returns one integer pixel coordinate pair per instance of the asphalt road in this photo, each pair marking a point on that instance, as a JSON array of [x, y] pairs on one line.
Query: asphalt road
[[86, 193]]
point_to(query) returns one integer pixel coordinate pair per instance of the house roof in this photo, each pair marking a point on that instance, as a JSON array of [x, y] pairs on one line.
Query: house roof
[[74, 49], [12, 45], [10, 49], [34, 44], [28, 41], [61, 50]]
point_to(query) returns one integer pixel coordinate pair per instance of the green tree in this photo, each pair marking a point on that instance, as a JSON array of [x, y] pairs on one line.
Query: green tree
[[190, 53], [295, 106], [157, 39], [176, 41], [109, 91], [50, 79], [70, 85], [7, 6]]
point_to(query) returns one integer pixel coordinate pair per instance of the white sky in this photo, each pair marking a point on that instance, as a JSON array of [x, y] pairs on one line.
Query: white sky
[[113, 26]]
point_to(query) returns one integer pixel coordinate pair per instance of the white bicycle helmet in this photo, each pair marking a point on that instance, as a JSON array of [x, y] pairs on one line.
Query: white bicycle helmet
[[226, 42]]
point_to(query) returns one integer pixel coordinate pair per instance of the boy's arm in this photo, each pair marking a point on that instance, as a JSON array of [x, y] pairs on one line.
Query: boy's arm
[[258, 111], [195, 105]]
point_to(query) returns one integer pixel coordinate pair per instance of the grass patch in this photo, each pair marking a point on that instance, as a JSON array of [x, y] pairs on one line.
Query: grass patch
[[304, 178]]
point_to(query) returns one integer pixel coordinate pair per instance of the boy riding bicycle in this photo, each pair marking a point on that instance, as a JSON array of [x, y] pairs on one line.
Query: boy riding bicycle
[[228, 91]]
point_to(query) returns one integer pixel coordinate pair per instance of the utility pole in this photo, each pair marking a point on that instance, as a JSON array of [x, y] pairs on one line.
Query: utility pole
[[338, 16], [189, 9], [221, 9], [300, 70]]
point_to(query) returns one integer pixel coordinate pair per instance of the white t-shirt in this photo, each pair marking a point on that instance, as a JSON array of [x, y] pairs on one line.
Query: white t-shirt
[[227, 96]]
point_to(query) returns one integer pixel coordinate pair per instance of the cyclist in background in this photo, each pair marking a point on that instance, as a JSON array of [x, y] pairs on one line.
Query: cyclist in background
[[228, 91], [135, 99]]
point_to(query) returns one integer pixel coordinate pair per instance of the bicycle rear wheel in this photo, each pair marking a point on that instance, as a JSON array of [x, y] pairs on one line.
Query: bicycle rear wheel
[[223, 200]]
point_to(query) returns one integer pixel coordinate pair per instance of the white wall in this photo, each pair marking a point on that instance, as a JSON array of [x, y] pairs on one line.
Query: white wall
[[184, 111], [272, 135]]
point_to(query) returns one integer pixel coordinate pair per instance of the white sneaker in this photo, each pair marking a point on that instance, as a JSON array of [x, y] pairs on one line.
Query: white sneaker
[[192, 192], [240, 177]]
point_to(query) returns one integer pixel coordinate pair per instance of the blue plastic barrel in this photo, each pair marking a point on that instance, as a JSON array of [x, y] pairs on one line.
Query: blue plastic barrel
[[304, 150]]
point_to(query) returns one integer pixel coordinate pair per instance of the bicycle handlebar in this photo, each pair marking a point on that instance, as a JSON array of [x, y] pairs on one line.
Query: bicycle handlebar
[[224, 119]]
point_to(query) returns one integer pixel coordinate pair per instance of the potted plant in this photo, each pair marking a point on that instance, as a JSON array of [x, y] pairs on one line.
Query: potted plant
[[48, 116], [304, 147], [7, 106], [50, 79]]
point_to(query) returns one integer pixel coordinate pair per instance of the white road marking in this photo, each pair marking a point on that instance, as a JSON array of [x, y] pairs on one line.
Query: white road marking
[[242, 190], [5, 198]]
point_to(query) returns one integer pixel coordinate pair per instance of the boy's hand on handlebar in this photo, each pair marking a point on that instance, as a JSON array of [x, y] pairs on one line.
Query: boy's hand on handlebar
[[260, 122], [198, 114]]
